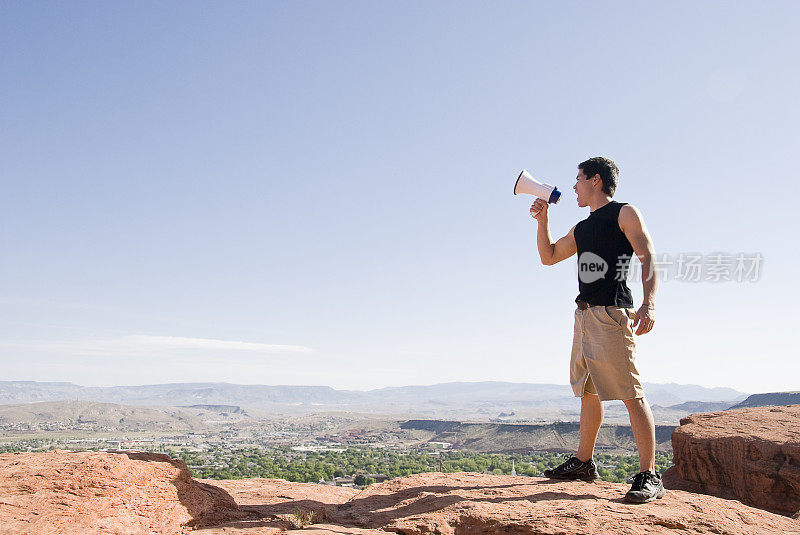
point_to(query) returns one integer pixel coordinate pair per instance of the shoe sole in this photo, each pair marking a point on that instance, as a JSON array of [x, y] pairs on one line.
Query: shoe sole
[[647, 500], [581, 478]]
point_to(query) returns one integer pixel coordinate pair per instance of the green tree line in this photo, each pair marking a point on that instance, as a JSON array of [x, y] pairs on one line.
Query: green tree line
[[283, 463]]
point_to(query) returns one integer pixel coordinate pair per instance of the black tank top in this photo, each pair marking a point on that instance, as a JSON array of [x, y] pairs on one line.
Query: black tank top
[[604, 255]]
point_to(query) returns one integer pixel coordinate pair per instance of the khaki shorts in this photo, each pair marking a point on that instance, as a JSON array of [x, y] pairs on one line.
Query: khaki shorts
[[604, 354]]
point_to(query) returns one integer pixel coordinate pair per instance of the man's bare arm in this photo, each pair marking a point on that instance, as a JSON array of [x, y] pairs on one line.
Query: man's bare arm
[[632, 224], [551, 253]]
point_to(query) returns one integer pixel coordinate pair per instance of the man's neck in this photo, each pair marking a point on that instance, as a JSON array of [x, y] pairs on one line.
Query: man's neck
[[598, 203]]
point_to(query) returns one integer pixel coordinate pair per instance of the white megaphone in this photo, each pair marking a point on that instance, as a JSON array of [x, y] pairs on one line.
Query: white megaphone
[[527, 184]]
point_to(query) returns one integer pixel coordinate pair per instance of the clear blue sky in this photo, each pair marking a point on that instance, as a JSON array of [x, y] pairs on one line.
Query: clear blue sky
[[320, 192]]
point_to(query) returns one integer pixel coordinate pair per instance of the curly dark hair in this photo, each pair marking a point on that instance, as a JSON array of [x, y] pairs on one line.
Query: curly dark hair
[[607, 169]]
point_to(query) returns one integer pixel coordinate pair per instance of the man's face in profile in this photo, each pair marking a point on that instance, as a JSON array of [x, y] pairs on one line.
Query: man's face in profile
[[582, 188]]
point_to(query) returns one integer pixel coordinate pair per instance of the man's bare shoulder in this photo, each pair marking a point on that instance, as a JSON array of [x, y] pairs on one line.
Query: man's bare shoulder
[[629, 210], [630, 216]]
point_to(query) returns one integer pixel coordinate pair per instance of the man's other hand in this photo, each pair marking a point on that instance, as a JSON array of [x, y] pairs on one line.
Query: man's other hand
[[645, 318], [539, 210]]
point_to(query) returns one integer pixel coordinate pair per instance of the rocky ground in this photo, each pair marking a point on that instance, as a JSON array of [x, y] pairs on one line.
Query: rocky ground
[[468, 503], [87, 493], [83, 493]]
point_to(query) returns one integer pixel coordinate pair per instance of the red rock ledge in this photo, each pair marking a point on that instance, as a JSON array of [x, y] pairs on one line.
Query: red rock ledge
[[751, 455], [104, 493]]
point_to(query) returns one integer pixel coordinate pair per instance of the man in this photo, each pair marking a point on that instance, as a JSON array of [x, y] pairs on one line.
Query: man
[[602, 365]]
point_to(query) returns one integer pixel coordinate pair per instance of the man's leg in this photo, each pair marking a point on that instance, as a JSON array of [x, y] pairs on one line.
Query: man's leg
[[591, 418], [644, 431]]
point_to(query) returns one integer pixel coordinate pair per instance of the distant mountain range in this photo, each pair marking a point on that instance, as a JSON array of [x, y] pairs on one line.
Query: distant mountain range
[[174, 394], [483, 398], [770, 399], [701, 406]]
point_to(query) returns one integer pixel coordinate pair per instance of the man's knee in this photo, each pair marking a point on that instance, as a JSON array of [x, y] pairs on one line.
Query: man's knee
[[635, 402], [638, 408]]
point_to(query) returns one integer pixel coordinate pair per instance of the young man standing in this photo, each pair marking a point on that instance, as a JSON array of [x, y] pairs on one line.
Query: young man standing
[[603, 364]]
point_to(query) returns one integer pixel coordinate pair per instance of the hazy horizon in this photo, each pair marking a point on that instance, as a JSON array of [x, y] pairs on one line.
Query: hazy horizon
[[564, 385]]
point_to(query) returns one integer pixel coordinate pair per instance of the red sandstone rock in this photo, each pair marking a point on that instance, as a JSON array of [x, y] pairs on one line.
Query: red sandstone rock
[[751, 454], [270, 503], [86, 493], [102, 493], [467, 503]]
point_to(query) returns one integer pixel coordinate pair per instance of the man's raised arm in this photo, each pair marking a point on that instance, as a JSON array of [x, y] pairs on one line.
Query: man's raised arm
[[550, 252], [632, 224]]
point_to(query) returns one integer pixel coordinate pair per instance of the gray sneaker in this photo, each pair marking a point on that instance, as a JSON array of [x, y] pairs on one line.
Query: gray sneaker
[[647, 486], [573, 468]]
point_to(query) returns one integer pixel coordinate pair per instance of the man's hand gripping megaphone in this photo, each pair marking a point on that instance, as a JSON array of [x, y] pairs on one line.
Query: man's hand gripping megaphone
[[539, 210]]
